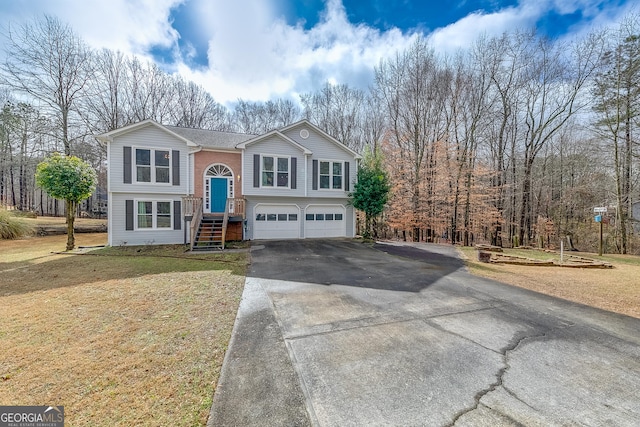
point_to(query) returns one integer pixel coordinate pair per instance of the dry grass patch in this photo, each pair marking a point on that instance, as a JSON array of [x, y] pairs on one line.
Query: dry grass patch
[[139, 342], [616, 289]]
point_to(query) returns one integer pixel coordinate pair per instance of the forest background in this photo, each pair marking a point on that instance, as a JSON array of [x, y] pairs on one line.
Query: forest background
[[511, 141]]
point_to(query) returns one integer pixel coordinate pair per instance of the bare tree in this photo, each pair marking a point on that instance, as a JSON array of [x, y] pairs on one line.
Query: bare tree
[[104, 107], [262, 117], [555, 79], [337, 109], [617, 93], [469, 104], [196, 108], [413, 88], [48, 62]]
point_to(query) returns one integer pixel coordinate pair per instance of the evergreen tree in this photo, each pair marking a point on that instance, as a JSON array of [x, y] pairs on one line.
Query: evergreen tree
[[372, 189]]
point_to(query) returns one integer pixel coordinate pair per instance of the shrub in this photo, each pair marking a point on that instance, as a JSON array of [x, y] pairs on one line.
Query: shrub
[[12, 227], [25, 214]]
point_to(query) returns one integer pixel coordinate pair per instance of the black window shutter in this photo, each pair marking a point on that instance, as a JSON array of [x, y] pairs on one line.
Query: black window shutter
[[294, 173], [256, 170], [175, 165], [346, 176], [177, 214], [315, 175], [128, 209], [127, 165]]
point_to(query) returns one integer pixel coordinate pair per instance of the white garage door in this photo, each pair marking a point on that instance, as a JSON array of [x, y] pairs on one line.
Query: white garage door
[[325, 221], [276, 222]]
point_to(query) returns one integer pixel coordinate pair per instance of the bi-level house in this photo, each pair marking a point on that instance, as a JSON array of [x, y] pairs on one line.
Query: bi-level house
[[169, 184]]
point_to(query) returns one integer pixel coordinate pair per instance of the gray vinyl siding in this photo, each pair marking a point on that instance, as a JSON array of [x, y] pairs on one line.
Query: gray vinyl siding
[[119, 236], [302, 203], [273, 146], [149, 137], [323, 149]]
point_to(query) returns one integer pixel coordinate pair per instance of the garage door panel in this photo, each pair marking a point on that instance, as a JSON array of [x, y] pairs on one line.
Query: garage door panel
[[276, 222], [325, 221]]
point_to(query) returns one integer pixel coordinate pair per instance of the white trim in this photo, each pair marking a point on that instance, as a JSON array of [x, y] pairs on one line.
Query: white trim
[[152, 166], [244, 145], [130, 128], [109, 196], [321, 132], [275, 171], [331, 162], [206, 185], [154, 215]]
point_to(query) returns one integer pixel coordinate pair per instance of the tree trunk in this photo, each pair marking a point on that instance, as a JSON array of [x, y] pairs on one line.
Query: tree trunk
[[70, 214]]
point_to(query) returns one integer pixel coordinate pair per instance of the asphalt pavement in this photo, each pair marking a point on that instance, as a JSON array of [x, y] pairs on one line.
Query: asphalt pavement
[[342, 333]]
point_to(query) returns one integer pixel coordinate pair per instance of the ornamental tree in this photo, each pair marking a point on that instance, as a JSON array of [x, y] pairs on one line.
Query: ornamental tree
[[70, 179], [371, 191]]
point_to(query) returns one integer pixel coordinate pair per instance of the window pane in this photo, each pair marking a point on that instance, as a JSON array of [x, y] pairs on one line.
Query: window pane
[[143, 157], [267, 163], [324, 182], [283, 179], [164, 208], [162, 174], [337, 168], [145, 214], [145, 221], [267, 179], [162, 158], [143, 174], [337, 182], [328, 217], [145, 208], [338, 217], [163, 221], [271, 217], [324, 168], [260, 217], [309, 217], [282, 217], [283, 164], [319, 217], [293, 217]]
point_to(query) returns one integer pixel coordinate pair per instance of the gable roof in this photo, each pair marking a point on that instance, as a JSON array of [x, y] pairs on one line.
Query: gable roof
[[276, 132], [192, 137], [202, 138], [108, 136], [323, 133]]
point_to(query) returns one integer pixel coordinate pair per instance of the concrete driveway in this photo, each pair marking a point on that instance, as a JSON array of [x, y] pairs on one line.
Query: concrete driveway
[[339, 333]]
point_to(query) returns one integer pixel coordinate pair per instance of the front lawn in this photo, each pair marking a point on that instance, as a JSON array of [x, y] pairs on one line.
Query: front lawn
[[118, 336], [616, 289]]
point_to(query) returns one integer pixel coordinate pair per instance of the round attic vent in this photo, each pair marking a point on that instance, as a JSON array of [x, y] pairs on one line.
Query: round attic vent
[[304, 134]]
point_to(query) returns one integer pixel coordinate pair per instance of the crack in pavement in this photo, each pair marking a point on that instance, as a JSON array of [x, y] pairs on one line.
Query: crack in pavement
[[501, 372]]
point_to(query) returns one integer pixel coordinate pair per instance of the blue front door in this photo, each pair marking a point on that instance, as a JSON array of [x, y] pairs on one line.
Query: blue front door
[[218, 194]]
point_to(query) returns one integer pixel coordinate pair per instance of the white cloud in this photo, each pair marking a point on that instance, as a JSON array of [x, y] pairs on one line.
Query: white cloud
[[254, 54], [127, 25]]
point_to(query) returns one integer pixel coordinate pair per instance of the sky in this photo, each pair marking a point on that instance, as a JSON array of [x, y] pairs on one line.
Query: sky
[[258, 50]]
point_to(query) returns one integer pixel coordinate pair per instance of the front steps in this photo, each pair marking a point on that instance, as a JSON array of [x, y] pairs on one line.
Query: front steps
[[210, 234]]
